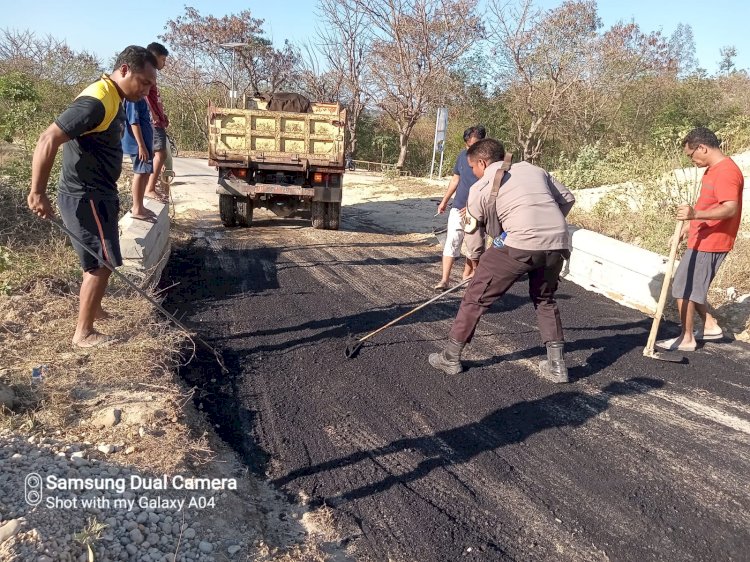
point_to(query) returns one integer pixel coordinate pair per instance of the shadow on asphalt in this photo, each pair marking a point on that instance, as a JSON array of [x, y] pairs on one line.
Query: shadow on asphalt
[[199, 262], [607, 350], [219, 395], [361, 323], [506, 426], [412, 215]]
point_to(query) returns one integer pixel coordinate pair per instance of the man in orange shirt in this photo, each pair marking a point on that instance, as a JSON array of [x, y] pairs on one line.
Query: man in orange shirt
[[711, 227]]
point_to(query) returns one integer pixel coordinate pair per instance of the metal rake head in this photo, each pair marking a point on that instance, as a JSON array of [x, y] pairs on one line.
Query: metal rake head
[[352, 347]]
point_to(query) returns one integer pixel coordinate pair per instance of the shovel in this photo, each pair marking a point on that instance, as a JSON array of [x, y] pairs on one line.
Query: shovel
[[141, 292], [353, 347], [649, 351], [440, 235]]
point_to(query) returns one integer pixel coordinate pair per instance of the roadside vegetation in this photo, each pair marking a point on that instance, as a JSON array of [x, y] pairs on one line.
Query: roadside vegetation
[[40, 279]]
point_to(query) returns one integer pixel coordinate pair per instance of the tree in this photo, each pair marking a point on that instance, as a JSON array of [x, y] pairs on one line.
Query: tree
[[38, 78], [46, 58], [316, 83], [682, 49], [201, 68], [415, 45], [540, 56], [345, 41], [726, 63], [624, 66]]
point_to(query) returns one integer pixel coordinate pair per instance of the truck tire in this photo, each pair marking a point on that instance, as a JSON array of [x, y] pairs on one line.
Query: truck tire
[[244, 207], [226, 210], [317, 214], [332, 216]]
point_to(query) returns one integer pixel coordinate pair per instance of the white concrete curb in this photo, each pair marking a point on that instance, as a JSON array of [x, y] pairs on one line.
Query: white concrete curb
[[625, 273], [145, 245]]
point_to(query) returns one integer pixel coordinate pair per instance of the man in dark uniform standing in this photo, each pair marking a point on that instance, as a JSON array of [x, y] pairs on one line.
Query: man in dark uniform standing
[[530, 206], [90, 130]]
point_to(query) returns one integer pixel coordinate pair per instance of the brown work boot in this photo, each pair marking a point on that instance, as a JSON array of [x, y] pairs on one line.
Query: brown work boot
[[554, 369], [448, 360]]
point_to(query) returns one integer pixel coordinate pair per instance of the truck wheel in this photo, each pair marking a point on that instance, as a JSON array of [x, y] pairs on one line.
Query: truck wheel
[[226, 210], [244, 208], [332, 216], [317, 214]]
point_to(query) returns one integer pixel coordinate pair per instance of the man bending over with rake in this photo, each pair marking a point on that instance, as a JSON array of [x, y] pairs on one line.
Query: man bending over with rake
[[530, 207]]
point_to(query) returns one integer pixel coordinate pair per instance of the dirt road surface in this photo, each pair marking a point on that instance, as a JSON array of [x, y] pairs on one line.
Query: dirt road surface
[[636, 460]]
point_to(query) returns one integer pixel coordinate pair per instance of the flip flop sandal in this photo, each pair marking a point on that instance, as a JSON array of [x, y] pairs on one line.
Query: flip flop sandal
[[699, 335], [674, 344], [146, 218]]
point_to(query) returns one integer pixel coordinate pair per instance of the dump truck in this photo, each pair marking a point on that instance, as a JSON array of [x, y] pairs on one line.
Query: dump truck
[[288, 162]]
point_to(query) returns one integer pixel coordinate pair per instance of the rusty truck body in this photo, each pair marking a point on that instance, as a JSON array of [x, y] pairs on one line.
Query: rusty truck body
[[290, 163]]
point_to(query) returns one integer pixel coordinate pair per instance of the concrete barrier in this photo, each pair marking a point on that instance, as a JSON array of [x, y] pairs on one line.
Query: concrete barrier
[[623, 272], [145, 245]]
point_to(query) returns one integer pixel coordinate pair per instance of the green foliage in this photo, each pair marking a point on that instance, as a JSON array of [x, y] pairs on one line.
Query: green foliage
[[735, 134], [581, 172], [688, 103], [593, 167], [376, 140], [19, 102], [17, 87]]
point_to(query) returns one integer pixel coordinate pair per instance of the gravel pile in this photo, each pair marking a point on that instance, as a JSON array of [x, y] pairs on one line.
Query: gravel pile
[[138, 531]]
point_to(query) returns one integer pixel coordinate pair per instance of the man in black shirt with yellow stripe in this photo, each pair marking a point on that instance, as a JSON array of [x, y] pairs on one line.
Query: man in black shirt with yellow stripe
[[90, 130]]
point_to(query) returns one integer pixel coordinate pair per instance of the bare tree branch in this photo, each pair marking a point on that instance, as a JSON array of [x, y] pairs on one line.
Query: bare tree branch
[[416, 44]]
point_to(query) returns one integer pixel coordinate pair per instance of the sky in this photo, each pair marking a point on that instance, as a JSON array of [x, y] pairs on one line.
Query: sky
[[106, 28]]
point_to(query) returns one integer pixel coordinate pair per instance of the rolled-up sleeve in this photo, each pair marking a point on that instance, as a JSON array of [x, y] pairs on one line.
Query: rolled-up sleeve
[[563, 196], [475, 243]]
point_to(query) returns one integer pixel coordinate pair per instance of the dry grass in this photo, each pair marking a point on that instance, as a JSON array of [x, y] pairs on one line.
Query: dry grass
[[39, 283], [650, 230], [734, 270], [320, 528], [135, 374]]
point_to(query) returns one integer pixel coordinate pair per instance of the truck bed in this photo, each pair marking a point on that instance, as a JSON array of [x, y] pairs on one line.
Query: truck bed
[[262, 138]]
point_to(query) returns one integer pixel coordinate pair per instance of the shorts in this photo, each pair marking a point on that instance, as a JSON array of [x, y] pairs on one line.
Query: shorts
[[95, 224], [454, 235], [160, 139], [141, 167], [694, 275]]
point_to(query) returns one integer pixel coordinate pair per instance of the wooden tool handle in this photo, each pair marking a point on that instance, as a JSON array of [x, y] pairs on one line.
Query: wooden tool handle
[[649, 350], [413, 310]]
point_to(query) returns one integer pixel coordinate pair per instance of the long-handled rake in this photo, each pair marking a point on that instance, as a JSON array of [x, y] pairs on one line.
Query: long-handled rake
[[649, 350], [138, 290], [353, 346]]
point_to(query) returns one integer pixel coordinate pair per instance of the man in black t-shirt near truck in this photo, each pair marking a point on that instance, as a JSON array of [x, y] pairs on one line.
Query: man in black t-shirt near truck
[[90, 130]]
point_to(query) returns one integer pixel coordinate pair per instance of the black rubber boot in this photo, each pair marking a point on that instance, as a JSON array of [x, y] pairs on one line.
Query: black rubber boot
[[448, 360], [554, 368]]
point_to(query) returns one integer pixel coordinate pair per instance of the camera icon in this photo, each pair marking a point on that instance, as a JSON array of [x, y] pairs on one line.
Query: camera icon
[[33, 489]]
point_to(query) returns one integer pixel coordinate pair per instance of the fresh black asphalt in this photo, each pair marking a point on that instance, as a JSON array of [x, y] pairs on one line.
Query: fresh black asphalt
[[635, 460]]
